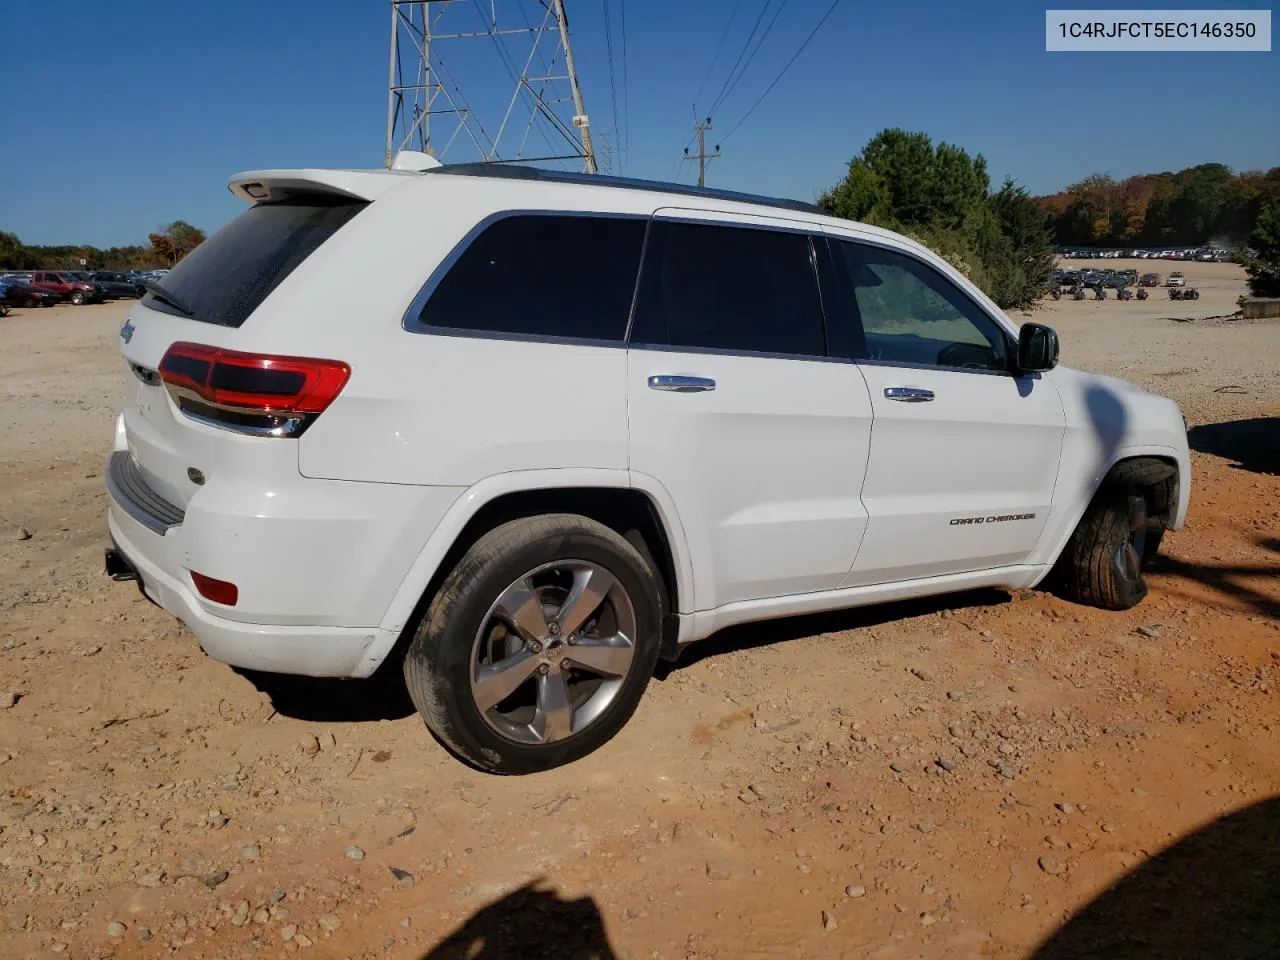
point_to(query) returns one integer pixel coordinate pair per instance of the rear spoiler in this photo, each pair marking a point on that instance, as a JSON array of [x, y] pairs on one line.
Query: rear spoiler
[[255, 186]]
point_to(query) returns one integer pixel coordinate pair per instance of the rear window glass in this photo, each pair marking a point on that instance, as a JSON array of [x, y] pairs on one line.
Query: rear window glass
[[224, 279]]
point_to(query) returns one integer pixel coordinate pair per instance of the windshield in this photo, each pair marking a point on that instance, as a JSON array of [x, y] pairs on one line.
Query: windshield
[[225, 278]]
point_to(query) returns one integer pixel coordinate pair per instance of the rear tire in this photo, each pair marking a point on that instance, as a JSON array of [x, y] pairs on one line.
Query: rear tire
[[77, 298], [1102, 563], [31, 303], [492, 666]]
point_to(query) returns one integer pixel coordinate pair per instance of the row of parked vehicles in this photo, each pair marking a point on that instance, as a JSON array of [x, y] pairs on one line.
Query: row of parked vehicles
[[44, 288], [1074, 283], [1202, 254]]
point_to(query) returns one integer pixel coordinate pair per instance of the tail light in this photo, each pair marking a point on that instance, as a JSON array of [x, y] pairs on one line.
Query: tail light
[[251, 392]]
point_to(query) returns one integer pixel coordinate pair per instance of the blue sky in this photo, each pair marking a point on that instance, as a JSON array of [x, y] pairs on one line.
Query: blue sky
[[125, 116]]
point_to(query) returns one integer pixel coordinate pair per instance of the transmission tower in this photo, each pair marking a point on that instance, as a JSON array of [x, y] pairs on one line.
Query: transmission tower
[[429, 109]]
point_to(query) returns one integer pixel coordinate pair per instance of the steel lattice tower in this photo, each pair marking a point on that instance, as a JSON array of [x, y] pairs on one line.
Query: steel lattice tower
[[428, 109]]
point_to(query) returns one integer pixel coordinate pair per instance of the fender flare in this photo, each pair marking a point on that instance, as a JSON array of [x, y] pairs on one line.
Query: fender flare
[[479, 494]]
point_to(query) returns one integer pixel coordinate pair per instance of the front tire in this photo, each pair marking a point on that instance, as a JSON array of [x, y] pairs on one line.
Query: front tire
[[538, 646], [1102, 563], [78, 298]]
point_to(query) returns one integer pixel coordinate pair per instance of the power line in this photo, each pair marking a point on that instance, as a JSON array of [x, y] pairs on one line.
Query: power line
[[613, 88], [796, 56], [741, 53], [759, 43], [716, 56], [626, 85]]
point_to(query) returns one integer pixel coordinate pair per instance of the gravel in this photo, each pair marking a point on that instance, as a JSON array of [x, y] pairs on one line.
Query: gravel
[[116, 929], [1149, 631], [354, 853], [718, 870], [856, 891], [1051, 865], [328, 923], [8, 700]]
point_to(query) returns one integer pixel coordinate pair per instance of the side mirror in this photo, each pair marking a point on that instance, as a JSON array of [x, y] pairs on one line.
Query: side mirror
[[1037, 348]]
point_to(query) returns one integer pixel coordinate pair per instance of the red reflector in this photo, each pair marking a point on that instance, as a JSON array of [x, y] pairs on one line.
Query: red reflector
[[254, 381], [219, 591]]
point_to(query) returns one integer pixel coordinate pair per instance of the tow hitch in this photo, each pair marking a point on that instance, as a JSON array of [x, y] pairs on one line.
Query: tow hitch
[[118, 566]]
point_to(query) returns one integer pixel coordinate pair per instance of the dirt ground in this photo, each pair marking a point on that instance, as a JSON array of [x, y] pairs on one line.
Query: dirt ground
[[981, 775]]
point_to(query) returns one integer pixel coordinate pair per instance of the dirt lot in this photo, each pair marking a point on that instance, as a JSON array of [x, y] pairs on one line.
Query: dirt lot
[[977, 776]]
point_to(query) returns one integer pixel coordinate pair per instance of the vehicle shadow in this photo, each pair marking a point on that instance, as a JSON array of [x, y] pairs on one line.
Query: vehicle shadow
[[765, 633], [529, 923], [333, 700], [1253, 444], [1215, 894], [1226, 579]]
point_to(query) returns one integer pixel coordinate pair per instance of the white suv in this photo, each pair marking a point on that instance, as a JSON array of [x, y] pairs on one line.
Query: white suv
[[546, 428]]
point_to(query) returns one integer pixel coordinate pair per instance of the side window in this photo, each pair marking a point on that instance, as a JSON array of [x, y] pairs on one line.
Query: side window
[[543, 275], [731, 288], [910, 313]]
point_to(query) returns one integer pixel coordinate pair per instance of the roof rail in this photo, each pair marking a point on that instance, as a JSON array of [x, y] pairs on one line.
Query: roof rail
[[505, 171]]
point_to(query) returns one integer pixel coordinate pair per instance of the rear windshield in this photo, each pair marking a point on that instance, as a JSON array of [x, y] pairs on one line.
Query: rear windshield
[[224, 279]]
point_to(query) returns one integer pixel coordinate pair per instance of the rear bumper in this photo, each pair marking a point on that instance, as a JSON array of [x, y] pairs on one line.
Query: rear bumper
[[306, 650]]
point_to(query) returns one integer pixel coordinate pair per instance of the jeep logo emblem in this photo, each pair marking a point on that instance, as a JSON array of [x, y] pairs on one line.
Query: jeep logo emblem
[[126, 332]]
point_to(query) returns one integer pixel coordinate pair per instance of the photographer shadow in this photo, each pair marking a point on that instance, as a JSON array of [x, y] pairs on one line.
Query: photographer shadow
[[530, 923], [1215, 895]]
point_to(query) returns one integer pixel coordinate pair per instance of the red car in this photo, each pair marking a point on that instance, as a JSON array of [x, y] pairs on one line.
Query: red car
[[72, 288], [1149, 280], [16, 294]]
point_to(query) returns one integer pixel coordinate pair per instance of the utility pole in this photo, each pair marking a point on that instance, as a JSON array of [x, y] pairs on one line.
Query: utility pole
[[702, 126]]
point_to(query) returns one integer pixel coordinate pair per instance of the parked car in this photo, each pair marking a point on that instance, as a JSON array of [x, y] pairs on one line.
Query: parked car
[[118, 285], [1149, 280], [1176, 279], [548, 472], [72, 288], [26, 295]]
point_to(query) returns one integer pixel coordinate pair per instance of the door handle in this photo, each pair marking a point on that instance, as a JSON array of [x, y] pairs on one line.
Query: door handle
[[671, 383], [908, 394]]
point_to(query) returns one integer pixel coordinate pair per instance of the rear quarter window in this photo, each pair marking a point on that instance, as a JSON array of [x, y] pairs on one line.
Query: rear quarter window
[[224, 279], [542, 275]]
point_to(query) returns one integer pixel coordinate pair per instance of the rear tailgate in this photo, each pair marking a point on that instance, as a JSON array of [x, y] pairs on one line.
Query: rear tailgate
[[205, 300]]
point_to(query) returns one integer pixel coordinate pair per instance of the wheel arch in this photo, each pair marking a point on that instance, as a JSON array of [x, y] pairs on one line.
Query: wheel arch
[[1156, 468], [643, 513]]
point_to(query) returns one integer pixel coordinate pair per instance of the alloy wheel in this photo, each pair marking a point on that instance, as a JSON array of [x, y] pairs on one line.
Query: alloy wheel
[[553, 652]]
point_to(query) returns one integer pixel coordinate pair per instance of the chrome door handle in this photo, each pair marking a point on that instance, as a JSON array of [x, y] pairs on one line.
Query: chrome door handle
[[677, 384], [908, 394]]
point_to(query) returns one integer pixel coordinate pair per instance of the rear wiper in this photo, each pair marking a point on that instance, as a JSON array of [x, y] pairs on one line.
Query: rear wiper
[[160, 293]]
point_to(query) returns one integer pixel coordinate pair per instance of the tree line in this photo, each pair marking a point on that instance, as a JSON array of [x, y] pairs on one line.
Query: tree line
[[1193, 207], [1003, 240], [164, 248]]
